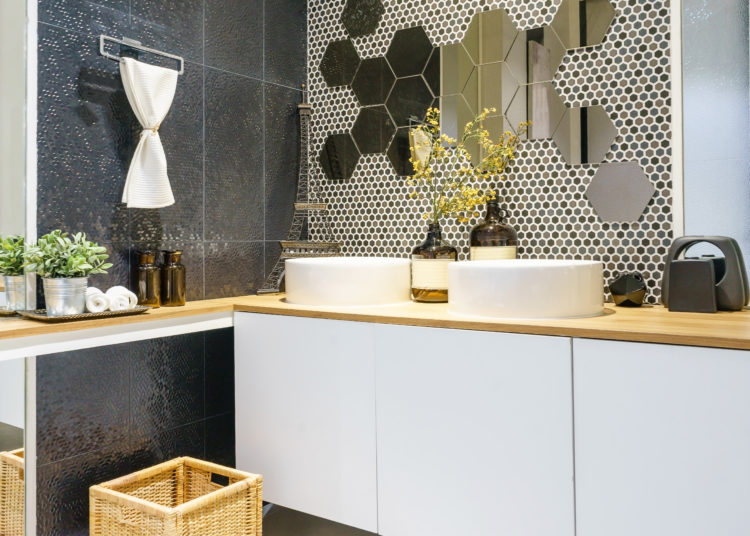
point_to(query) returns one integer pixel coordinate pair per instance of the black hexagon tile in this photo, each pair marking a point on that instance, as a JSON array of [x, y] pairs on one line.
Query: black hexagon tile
[[620, 192], [361, 17], [409, 99], [339, 157], [373, 130], [339, 63], [373, 81], [399, 153], [409, 51]]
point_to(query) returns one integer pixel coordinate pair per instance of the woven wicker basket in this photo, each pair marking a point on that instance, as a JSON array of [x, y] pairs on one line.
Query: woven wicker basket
[[11, 493], [179, 498]]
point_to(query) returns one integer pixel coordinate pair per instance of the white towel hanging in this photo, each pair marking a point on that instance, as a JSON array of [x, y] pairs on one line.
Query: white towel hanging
[[150, 90]]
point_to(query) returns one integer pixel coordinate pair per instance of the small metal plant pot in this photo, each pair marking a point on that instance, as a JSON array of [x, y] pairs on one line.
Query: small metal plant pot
[[15, 292], [65, 296]]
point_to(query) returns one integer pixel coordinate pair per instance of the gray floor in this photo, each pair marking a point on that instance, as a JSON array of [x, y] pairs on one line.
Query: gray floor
[[284, 522], [11, 438]]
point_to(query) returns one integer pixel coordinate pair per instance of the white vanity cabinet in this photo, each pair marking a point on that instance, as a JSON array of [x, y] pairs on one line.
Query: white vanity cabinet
[[475, 433], [662, 437], [305, 414]]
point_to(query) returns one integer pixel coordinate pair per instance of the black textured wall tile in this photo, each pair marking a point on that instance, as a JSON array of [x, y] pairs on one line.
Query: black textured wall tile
[[167, 379], [233, 268], [234, 36], [182, 136], [175, 27], [110, 17], [165, 445], [192, 259], [219, 372], [286, 42], [63, 487], [282, 158], [234, 157], [82, 401], [220, 440], [86, 136]]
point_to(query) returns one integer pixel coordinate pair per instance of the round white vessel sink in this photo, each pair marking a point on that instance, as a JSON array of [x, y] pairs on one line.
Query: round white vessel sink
[[526, 289], [348, 281]]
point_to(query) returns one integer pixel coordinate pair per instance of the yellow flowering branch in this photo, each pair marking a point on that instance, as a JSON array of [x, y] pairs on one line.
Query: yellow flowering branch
[[443, 173]]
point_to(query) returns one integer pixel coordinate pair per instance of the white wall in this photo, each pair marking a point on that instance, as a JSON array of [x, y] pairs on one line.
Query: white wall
[[12, 391], [717, 119], [12, 118]]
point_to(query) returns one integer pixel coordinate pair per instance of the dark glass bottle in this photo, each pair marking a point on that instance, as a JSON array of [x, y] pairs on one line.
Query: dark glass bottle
[[429, 267], [173, 285], [148, 286], [493, 239]]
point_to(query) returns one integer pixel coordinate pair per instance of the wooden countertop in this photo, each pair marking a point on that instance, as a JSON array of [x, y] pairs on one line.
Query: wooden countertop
[[652, 324]]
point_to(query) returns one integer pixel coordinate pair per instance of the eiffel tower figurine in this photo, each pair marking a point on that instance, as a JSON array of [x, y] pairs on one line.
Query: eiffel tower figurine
[[306, 207]]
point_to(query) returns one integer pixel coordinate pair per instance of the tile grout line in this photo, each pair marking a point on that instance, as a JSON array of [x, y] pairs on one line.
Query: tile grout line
[[203, 160], [263, 167]]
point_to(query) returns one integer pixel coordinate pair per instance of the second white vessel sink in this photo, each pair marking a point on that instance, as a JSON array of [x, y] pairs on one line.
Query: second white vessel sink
[[526, 289], [348, 281]]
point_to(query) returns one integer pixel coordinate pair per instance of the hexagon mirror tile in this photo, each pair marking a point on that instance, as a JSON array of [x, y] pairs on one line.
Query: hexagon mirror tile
[[409, 51], [373, 130], [361, 17], [583, 23], [620, 192], [409, 100], [339, 157], [339, 63], [585, 135], [373, 82]]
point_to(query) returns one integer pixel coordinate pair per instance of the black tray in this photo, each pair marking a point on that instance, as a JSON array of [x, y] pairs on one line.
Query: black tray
[[41, 314]]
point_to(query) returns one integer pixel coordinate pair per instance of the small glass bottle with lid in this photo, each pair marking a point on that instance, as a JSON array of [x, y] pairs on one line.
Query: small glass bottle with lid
[[148, 287], [493, 239], [173, 284], [429, 267]]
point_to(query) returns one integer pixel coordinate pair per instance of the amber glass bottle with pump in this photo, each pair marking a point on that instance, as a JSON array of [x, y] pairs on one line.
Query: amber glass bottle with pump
[[493, 239], [149, 280], [429, 267], [173, 284]]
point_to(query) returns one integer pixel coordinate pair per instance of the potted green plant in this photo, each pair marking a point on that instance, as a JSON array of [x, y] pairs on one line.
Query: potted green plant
[[65, 264], [12, 270], [448, 185]]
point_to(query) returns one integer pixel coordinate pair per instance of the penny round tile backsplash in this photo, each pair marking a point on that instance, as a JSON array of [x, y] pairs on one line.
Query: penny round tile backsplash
[[627, 74]]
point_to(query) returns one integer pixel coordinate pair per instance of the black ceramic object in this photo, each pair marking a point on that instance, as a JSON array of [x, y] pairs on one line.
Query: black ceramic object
[[728, 276], [628, 290], [693, 282]]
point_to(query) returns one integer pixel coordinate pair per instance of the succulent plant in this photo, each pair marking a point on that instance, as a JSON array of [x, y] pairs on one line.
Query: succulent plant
[[11, 255]]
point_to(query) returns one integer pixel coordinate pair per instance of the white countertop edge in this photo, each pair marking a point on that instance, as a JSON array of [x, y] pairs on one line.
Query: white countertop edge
[[53, 343]]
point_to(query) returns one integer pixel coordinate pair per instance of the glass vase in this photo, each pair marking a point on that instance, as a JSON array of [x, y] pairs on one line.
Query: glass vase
[[429, 267]]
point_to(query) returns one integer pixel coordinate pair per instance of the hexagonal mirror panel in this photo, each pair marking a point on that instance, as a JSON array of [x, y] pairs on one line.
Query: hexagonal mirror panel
[[409, 51], [585, 135], [496, 86], [455, 113], [373, 130], [409, 99], [361, 17], [432, 72], [490, 36], [583, 23], [535, 55], [339, 64], [339, 157], [399, 153], [373, 82], [620, 192], [540, 104], [457, 68]]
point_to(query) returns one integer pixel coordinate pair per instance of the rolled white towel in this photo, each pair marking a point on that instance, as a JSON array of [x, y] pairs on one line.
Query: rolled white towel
[[96, 300], [118, 302], [132, 299]]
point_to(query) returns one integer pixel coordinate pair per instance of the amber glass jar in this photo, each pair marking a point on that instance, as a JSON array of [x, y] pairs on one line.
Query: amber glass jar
[[429, 267], [493, 239], [148, 284], [173, 284]]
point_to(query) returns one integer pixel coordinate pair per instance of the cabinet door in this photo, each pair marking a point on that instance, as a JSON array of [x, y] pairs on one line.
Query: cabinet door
[[475, 433], [662, 440], [305, 413]]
